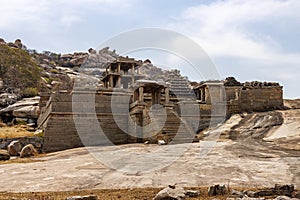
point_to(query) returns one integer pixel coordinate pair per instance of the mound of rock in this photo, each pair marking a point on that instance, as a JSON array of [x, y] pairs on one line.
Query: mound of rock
[[26, 108], [256, 125], [292, 103]]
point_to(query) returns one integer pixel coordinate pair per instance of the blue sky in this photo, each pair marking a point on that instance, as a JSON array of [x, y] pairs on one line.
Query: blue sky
[[248, 39]]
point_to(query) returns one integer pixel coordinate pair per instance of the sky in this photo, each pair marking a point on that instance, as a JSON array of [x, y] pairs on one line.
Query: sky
[[248, 39]]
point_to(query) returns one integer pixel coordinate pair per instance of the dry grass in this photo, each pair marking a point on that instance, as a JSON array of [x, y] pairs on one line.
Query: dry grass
[[24, 160], [112, 194], [107, 194], [15, 131]]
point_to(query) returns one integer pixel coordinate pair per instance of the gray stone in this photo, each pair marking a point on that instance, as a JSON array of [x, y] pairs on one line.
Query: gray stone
[[192, 193], [14, 148], [89, 197], [249, 193], [285, 190], [28, 151], [237, 193], [282, 198], [4, 155], [7, 99], [217, 190], [245, 198], [170, 193], [264, 193], [25, 108], [27, 112], [161, 142]]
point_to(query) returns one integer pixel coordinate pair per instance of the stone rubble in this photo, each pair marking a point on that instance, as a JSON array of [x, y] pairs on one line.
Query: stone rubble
[[28, 151], [14, 148]]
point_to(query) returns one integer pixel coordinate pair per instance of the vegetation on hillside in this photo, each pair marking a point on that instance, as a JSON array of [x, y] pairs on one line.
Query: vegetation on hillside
[[20, 74]]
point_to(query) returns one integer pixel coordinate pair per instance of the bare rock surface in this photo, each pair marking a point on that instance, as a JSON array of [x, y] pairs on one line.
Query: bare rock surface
[[250, 163], [292, 103]]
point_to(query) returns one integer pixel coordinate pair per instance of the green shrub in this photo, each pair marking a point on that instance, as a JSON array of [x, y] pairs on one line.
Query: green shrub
[[30, 92], [17, 69], [54, 71]]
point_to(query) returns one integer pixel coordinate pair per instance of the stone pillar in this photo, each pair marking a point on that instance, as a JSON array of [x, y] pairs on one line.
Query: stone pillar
[[132, 74], [207, 94], [202, 94], [158, 94], [167, 95], [141, 94], [119, 68], [111, 81], [119, 82], [153, 98]]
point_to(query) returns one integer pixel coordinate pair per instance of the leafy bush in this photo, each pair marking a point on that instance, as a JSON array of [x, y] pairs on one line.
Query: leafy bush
[[30, 92], [54, 71]]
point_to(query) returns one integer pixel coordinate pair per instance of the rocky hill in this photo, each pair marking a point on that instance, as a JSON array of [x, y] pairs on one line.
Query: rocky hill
[[19, 73]]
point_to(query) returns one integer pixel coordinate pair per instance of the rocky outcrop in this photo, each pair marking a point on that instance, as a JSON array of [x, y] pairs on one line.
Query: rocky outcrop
[[256, 125], [72, 60], [26, 108], [7, 99], [292, 103], [28, 151], [231, 81], [4, 155]]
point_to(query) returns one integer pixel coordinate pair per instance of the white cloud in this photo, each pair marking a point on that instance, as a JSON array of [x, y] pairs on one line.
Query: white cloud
[[42, 13], [223, 28]]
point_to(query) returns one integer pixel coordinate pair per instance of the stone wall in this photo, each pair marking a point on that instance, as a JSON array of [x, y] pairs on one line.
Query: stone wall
[[261, 99], [251, 99], [103, 124], [60, 131]]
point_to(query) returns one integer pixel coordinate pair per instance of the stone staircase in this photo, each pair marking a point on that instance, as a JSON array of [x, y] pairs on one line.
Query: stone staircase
[[180, 88], [170, 127]]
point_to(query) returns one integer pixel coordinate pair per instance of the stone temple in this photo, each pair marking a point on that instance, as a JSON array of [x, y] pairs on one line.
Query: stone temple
[[129, 108]]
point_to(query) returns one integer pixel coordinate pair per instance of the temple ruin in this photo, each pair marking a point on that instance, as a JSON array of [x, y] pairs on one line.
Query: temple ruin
[[130, 108]]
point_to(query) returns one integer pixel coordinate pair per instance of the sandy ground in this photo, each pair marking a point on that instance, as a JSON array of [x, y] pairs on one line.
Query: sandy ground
[[238, 163]]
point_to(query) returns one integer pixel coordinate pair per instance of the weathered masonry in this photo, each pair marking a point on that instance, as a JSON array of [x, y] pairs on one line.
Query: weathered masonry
[[247, 97], [129, 109]]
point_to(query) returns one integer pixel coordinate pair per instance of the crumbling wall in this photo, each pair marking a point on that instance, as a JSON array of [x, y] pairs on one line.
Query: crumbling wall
[[261, 99], [254, 96]]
